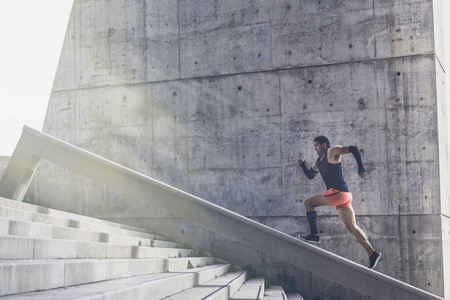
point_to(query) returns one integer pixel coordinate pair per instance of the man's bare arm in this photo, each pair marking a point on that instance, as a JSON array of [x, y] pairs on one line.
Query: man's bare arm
[[336, 151]]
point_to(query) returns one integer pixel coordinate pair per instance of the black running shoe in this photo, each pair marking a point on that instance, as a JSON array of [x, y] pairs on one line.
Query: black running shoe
[[374, 258], [310, 238]]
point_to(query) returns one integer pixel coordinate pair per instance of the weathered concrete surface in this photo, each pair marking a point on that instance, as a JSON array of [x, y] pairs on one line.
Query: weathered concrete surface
[[154, 41], [239, 165], [219, 98], [235, 230]]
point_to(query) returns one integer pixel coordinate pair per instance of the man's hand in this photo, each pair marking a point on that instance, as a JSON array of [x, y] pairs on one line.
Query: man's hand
[[301, 161], [363, 174], [310, 173]]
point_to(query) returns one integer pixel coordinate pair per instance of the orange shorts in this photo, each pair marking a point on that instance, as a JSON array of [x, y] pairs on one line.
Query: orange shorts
[[338, 198]]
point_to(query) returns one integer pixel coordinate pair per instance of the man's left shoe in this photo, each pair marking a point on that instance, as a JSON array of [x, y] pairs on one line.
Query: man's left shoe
[[374, 259], [310, 238]]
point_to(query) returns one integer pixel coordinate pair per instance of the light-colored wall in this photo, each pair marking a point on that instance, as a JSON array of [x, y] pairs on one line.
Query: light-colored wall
[[220, 98], [3, 163]]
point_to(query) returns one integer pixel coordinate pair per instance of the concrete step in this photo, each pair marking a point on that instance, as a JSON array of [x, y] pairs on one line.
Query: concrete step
[[65, 215], [223, 287], [251, 289], [27, 216], [74, 220], [42, 230], [152, 286], [275, 293], [22, 276], [22, 223], [14, 247], [176, 264], [50, 254]]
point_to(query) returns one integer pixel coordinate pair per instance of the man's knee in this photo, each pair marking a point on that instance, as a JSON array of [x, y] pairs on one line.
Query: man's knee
[[308, 203]]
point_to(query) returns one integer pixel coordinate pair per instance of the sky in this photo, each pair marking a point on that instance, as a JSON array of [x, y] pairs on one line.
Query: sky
[[31, 38]]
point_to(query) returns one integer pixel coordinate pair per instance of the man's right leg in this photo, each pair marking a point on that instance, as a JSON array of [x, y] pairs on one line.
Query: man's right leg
[[310, 204], [347, 215]]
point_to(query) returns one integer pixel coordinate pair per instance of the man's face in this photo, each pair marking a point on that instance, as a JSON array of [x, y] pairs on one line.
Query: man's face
[[320, 149]]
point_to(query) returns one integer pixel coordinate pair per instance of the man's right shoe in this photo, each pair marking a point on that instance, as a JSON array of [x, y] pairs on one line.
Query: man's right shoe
[[310, 238], [374, 259]]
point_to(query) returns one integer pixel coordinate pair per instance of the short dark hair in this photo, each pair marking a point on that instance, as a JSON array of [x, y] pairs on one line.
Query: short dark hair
[[323, 140]]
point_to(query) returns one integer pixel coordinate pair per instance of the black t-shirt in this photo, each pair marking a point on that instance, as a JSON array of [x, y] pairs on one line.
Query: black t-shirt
[[332, 174]]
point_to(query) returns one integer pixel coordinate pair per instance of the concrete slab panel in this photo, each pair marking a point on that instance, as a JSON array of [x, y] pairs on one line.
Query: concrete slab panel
[[162, 58], [169, 110], [291, 9], [330, 88], [403, 28], [237, 96], [327, 42], [161, 18], [412, 188], [237, 143], [204, 15], [411, 134], [196, 153], [121, 104], [162, 43], [110, 51], [225, 51]]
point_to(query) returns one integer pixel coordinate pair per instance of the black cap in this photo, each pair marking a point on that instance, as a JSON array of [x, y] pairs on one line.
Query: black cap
[[323, 140]]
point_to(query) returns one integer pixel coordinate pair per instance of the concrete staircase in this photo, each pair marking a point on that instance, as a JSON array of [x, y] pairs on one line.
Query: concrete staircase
[[51, 254]]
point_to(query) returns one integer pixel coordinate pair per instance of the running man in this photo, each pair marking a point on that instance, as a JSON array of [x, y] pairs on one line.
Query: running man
[[337, 194]]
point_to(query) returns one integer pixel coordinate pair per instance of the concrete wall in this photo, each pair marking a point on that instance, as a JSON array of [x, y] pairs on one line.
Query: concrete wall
[[219, 98], [3, 163], [29, 196]]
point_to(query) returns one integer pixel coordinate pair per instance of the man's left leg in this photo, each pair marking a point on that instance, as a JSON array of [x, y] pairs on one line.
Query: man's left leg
[[347, 215], [310, 205]]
